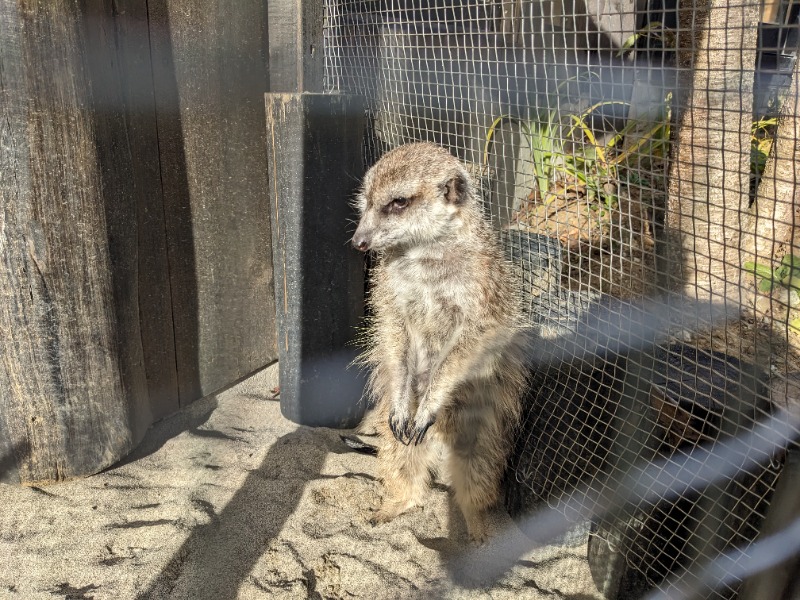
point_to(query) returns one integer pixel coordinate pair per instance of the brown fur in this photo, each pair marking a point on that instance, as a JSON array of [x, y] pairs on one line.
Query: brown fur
[[446, 373]]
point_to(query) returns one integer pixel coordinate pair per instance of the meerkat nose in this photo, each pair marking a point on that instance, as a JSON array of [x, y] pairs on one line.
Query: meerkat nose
[[360, 243]]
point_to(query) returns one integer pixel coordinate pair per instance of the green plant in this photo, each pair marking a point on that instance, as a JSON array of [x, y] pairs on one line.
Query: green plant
[[786, 274], [544, 142], [761, 138], [591, 162], [604, 162], [656, 34]]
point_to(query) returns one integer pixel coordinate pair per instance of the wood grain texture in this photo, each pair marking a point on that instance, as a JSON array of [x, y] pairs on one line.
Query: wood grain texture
[[210, 76], [63, 401], [118, 58], [284, 22], [135, 264], [296, 54], [315, 164]]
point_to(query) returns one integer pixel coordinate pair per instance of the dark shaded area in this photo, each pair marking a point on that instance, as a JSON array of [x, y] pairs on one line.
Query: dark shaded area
[[140, 524], [10, 459], [126, 140], [359, 445], [180, 243], [74, 593], [568, 410], [697, 397], [566, 432], [315, 164]]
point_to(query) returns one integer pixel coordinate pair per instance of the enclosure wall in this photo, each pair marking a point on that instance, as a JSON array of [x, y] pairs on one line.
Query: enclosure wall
[[136, 272]]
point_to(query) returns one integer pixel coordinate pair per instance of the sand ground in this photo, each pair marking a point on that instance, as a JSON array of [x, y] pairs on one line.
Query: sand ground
[[227, 499]]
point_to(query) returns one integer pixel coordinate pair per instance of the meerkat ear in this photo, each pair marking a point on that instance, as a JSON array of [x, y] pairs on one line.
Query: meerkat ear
[[455, 190]]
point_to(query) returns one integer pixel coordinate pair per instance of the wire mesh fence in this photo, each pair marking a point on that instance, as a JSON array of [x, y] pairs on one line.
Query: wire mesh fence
[[625, 151]]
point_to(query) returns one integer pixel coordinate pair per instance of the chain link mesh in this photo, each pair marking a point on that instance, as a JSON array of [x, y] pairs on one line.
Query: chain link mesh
[[625, 151]]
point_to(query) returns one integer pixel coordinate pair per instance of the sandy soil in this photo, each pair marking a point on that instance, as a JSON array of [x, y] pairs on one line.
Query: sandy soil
[[227, 499]]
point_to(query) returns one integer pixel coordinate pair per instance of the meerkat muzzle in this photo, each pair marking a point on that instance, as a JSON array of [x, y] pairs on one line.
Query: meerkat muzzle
[[362, 240]]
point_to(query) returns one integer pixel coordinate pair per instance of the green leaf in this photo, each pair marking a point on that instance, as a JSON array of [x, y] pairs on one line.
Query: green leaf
[[795, 324], [790, 260], [765, 285], [792, 281], [759, 270], [628, 43]]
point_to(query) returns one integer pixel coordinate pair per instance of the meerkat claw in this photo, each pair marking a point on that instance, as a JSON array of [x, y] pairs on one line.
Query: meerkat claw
[[399, 429], [419, 432]]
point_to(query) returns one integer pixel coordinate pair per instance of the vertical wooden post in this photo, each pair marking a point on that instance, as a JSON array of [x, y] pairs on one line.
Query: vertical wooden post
[[64, 407], [135, 271], [296, 54], [315, 164], [315, 161], [210, 75], [117, 42]]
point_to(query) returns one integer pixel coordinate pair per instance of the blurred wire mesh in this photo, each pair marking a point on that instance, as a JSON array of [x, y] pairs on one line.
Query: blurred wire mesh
[[626, 150]]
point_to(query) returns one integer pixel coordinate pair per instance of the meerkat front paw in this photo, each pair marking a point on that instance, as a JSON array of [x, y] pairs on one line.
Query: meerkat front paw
[[420, 425], [399, 421]]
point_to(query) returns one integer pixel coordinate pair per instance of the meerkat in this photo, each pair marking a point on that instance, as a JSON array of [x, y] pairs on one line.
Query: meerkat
[[446, 370]]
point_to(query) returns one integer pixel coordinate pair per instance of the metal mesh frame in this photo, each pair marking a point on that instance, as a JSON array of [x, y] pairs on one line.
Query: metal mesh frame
[[621, 156]]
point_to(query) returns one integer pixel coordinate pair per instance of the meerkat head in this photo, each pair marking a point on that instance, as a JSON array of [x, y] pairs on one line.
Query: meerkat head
[[415, 195]]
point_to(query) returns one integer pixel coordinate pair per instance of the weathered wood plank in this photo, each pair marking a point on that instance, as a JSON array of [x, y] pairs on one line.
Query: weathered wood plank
[[315, 164], [210, 75], [63, 401], [118, 56], [296, 55], [284, 22]]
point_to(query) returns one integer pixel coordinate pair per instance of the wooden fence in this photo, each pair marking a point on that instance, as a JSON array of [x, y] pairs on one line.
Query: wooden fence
[[135, 260]]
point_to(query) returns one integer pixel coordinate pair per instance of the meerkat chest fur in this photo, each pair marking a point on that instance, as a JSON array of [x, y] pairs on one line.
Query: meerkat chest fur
[[443, 293], [432, 292]]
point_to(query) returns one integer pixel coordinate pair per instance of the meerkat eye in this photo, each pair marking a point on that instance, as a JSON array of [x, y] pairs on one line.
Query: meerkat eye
[[396, 205]]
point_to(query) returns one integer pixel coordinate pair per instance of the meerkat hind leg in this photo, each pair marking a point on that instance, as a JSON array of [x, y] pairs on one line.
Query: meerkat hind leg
[[406, 472], [476, 462]]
